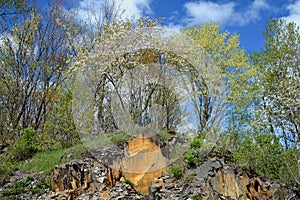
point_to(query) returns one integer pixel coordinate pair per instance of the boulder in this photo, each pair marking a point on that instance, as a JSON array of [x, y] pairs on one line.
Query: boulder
[[144, 161]]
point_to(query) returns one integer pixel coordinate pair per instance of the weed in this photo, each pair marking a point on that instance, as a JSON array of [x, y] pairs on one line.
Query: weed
[[129, 183], [197, 197], [176, 171], [165, 135], [192, 158]]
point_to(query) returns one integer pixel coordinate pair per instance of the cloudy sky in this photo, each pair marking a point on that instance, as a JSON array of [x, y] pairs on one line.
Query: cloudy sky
[[247, 17]]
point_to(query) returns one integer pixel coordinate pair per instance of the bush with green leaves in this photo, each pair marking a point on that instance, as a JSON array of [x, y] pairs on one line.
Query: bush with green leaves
[[176, 171], [196, 146], [25, 145], [192, 158], [264, 154], [59, 127], [289, 171]]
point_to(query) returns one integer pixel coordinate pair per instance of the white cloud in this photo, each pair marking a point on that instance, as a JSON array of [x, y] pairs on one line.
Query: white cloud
[[226, 13], [173, 27], [253, 13], [203, 11], [294, 13], [135, 8], [92, 10]]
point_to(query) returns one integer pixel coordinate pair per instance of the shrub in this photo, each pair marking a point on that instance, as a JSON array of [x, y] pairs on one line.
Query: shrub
[[265, 155], [290, 172], [192, 158], [196, 146], [176, 171], [197, 142], [24, 147]]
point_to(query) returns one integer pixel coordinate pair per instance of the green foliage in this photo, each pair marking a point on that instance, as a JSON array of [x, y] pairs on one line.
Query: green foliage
[[192, 158], [261, 153], [289, 168], [129, 183], [176, 171], [266, 128], [197, 197], [25, 145], [277, 82], [165, 135], [196, 146], [45, 161], [119, 138], [61, 113], [225, 74], [19, 187], [197, 142], [33, 57], [7, 165]]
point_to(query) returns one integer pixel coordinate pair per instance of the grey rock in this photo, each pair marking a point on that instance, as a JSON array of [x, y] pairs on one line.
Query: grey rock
[[207, 168]]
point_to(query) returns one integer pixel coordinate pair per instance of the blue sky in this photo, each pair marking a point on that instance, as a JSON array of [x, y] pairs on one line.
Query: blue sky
[[247, 17]]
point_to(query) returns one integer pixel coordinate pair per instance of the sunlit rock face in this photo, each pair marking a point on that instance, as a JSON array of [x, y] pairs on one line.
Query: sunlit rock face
[[143, 161], [103, 175]]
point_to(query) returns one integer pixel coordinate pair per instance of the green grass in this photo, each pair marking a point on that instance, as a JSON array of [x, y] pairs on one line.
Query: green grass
[[165, 135], [45, 161]]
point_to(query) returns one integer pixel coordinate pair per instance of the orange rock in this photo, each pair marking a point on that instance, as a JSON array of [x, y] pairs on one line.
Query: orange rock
[[144, 161]]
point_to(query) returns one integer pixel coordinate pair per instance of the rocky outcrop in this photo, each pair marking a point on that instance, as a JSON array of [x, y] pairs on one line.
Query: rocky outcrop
[[140, 172], [216, 180], [139, 164], [88, 179], [77, 177]]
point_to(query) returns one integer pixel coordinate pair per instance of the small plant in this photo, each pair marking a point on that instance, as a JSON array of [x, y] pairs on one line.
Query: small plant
[[30, 178], [196, 146], [197, 141], [35, 190], [197, 197], [192, 158], [129, 183], [165, 135], [176, 171], [119, 138]]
